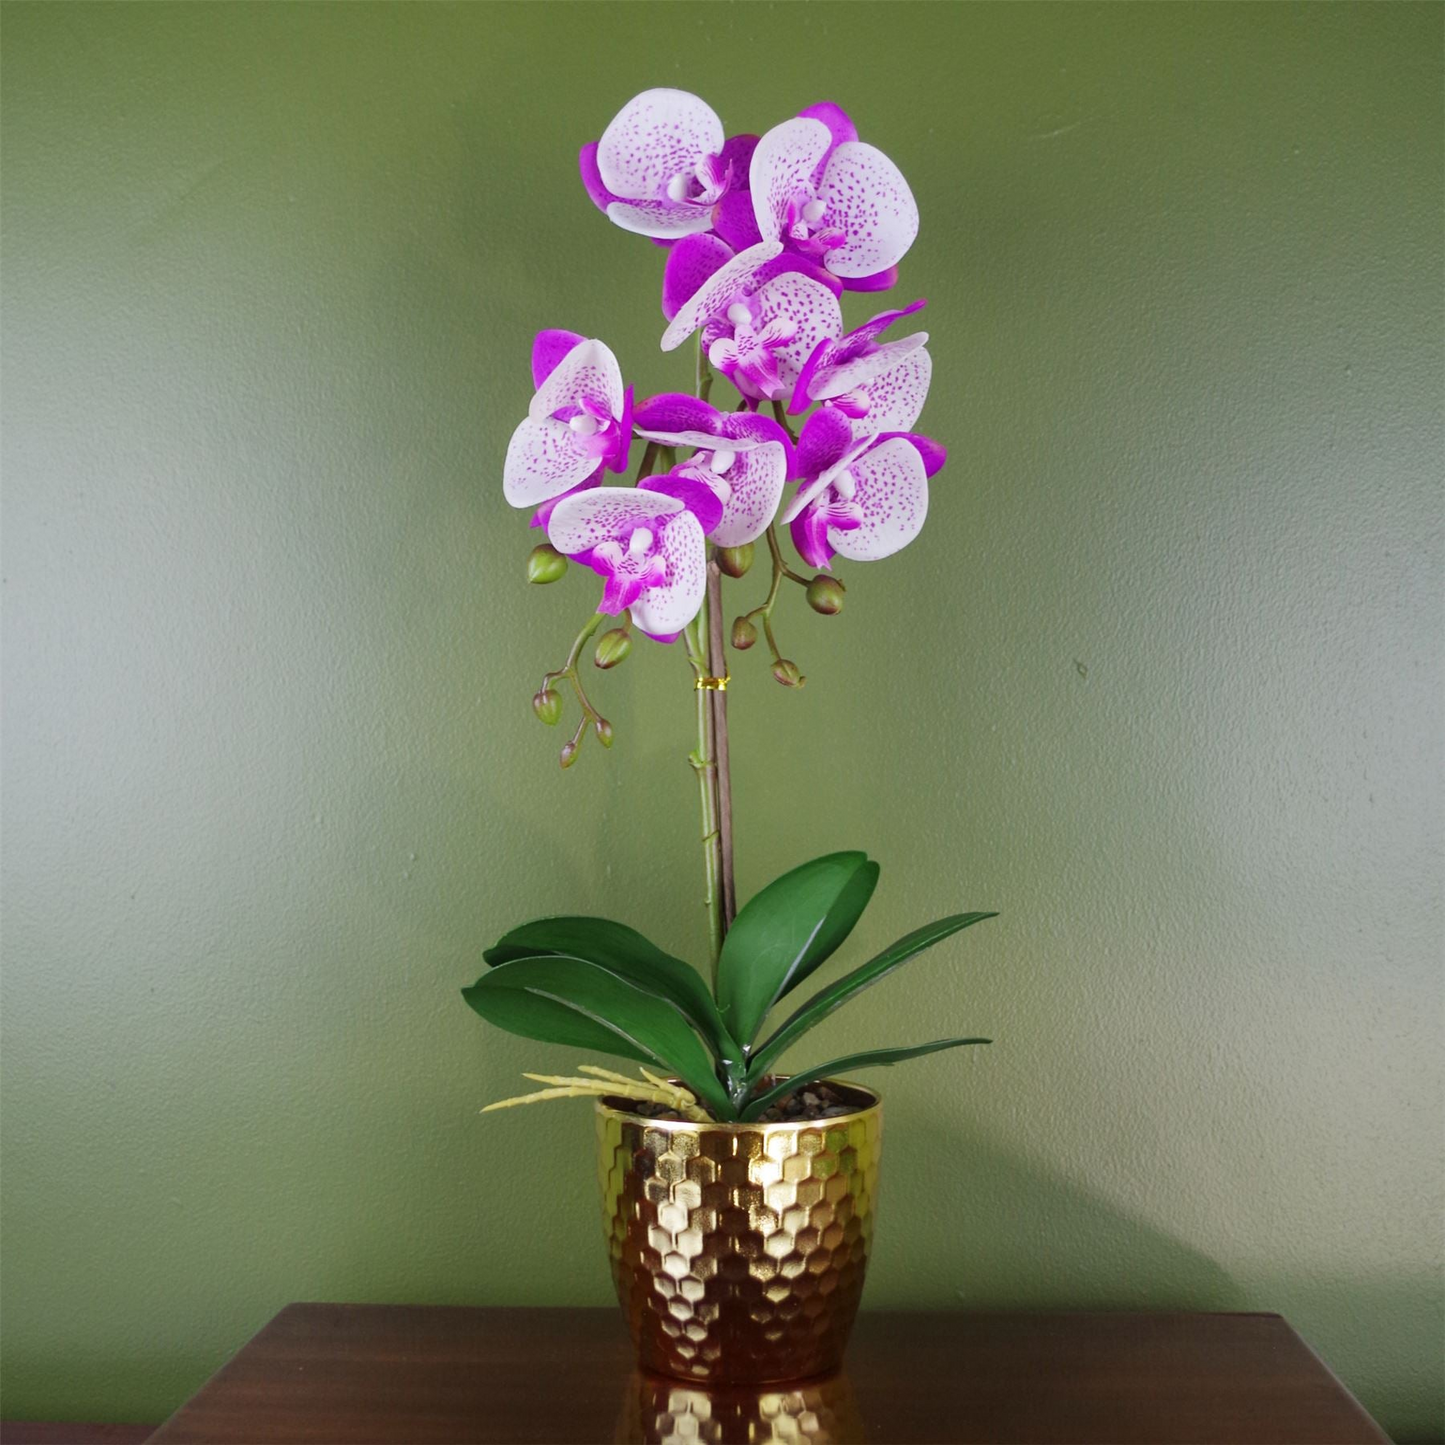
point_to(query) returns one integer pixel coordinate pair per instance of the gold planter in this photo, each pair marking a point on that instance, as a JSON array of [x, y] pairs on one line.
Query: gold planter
[[738, 1250]]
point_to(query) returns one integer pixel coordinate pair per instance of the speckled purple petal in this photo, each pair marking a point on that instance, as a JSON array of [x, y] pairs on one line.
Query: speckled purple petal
[[717, 291], [755, 487], [689, 264], [733, 220], [581, 522], [653, 137], [810, 537], [895, 399], [745, 429], [860, 370], [543, 514], [892, 493], [810, 308], [542, 462], [868, 200], [668, 607], [622, 440], [782, 166], [791, 261], [548, 349], [662, 220], [600, 196], [934, 453], [588, 371]]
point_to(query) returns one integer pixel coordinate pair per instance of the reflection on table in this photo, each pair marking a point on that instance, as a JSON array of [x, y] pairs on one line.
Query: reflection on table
[[659, 1411]]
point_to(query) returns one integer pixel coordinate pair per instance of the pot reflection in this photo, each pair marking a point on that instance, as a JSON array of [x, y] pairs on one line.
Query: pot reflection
[[660, 1411]]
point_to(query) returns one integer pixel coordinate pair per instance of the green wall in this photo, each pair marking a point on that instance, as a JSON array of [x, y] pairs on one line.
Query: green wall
[[1161, 680]]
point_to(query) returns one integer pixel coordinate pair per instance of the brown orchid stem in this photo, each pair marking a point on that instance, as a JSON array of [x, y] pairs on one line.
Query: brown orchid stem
[[719, 698]]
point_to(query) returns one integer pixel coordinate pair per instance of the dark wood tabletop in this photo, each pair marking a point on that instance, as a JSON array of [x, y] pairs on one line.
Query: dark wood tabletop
[[357, 1374]]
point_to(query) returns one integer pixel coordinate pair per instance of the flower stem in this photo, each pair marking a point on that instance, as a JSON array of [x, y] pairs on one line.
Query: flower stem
[[704, 764], [569, 671]]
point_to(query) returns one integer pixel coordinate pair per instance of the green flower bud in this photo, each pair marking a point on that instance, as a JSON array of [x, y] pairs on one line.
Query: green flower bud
[[603, 729], [787, 673], [545, 564], [825, 595], [612, 647], [548, 706], [568, 755], [744, 634], [735, 561]]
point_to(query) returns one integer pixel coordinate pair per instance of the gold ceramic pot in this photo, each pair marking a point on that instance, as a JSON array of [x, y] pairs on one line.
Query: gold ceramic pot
[[738, 1250]]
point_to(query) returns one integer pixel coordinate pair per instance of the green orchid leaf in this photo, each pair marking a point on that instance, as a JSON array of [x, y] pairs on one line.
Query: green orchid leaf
[[572, 1001], [785, 932], [871, 1059], [837, 994], [625, 952]]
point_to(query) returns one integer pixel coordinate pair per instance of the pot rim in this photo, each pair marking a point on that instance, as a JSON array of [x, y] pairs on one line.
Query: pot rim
[[756, 1126]]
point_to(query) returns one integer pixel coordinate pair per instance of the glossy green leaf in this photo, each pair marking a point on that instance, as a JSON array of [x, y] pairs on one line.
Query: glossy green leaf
[[572, 1001], [871, 1059], [838, 993], [785, 932], [625, 952]]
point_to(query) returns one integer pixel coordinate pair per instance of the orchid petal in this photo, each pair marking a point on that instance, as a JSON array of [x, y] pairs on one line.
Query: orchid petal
[[733, 220], [602, 514], [895, 399], [689, 264], [548, 349], [809, 487], [663, 220], [587, 372], [831, 381], [812, 309], [543, 462], [868, 199], [694, 491], [792, 261], [543, 514], [652, 138], [756, 481], [810, 537], [934, 453], [783, 165], [745, 430], [670, 605], [715, 293], [892, 494], [600, 196], [839, 123], [676, 412], [884, 280], [825, 438]]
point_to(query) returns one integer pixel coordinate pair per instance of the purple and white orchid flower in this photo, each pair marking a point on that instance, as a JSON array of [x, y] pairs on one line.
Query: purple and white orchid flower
[[741, 457], [879, 385], [579, 422], [762, 314], [646, 543], [863, 498], [663, 164], [827, 195]]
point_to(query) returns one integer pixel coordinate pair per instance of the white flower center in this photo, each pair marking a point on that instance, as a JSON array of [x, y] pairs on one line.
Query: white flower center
[[585, 424], [844, 486], [721, 461], [678, 186], [639, 544], [813, 212]]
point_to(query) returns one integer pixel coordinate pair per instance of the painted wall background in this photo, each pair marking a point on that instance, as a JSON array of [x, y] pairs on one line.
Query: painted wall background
[[1161, 680]]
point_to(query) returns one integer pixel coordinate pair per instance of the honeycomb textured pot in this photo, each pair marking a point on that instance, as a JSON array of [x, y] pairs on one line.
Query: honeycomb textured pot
[[738, 1250]]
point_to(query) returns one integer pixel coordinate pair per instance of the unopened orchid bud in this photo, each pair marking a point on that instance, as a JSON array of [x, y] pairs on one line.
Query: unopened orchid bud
[[603, 729], [744, 634], [568, 755], [612, 647], [825, 595], [548, 706], [787, 673], [545, 564], [735, 561]]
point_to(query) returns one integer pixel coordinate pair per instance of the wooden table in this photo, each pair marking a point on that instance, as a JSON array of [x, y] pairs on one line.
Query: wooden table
[[357, 1374]]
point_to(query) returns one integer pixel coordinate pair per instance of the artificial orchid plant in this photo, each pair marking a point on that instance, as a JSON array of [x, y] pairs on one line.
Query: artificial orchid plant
[[762, 236]]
